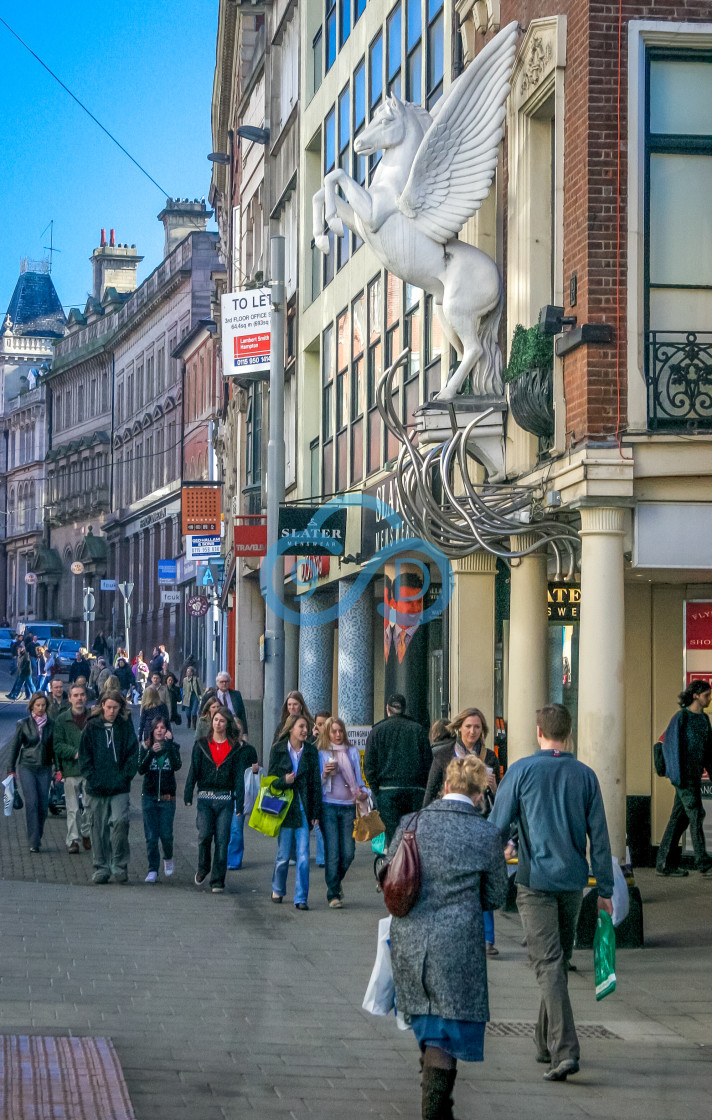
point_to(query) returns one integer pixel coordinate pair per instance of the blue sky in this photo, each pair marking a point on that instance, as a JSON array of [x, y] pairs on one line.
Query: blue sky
[[145, 69]]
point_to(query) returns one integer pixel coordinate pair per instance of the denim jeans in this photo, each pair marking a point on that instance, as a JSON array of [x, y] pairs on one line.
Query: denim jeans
[[213, 823], [339, 845], [35, 790], [549, 919], [158, 825], [236, 847], [687, 809], [488, 919], [281, 864], [22, 683], [319, 842]]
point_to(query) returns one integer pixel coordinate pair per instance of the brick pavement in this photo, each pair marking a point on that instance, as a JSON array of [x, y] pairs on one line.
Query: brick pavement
[[228, 1006]]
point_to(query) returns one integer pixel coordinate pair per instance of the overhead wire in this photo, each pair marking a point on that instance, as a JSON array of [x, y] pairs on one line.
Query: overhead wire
[[81, 105]]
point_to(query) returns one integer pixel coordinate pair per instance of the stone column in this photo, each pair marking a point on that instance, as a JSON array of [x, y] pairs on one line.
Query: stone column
[[472, 635], [601, 708], [355, 667], [528, 653], [316, 653]]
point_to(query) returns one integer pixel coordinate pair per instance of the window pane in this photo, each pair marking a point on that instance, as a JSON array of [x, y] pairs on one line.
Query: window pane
[[434, 340], [393, 299], [326, 411], [342, 345], [415, 23], [359, 9], [358, 326], [342, 401], [395, 87], [316, 60], [435, 54], [680, 219], [375, 369], [357, 451], [330, 142], [359, 95], [375, 309], [327, 354], [680, 309], [413, 323], [681, 97], [434, 7], [330, 40], [344, 20], [344, 120], [394, 41], [358, 389], [414, 91], [375, 67]]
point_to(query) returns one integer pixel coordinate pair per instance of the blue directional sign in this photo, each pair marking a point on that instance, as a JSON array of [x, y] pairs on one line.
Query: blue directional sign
[[167, 571]]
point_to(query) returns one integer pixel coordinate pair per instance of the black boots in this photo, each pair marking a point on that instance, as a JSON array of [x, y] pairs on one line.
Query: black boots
[[438, 1085]]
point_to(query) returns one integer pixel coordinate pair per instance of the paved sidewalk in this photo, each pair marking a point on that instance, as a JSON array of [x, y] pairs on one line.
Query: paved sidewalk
[[228, 1006]]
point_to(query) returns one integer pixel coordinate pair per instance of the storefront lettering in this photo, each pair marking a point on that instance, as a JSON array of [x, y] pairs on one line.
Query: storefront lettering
[[563, 602]]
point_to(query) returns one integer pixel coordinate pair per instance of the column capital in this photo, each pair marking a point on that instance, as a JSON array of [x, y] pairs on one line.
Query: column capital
[[603, 521], [480, 563], [526, 540]]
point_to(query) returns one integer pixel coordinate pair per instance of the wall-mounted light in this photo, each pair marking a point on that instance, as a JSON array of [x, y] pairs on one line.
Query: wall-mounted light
[[256, 135], [219, 157]]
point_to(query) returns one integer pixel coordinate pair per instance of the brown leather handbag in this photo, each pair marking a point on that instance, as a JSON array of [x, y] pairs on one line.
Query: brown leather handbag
[[401, 878]]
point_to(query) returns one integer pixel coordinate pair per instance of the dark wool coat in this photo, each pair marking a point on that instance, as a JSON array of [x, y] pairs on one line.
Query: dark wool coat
[[442, 757], [438, 950], [307, 785]]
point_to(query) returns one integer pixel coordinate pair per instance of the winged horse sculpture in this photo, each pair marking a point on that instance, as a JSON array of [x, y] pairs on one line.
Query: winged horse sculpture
[[437, 168]]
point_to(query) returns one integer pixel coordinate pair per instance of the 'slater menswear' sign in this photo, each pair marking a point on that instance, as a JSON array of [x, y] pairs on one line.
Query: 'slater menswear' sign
[[246, 332]]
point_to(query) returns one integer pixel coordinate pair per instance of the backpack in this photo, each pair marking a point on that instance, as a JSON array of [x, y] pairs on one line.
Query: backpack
[[659, 758]]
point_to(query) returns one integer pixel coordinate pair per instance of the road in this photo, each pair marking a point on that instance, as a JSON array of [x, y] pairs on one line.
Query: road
[[222, 1007]]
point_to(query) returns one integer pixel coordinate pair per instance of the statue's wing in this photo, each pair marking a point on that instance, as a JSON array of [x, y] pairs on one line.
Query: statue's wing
[[454, 166]]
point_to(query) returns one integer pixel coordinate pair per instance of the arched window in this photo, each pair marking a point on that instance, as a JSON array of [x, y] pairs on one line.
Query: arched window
[[32, 508], [11, 513]]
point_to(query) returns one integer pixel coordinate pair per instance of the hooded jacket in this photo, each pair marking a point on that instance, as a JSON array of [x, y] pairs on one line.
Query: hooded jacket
[[108, 755], [229, 777], [158, 769]]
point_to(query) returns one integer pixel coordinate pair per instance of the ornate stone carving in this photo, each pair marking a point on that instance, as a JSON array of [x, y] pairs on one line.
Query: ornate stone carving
[[538, 63], [436, 169]]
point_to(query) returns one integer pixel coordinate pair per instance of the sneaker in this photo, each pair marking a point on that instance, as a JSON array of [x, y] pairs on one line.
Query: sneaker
[[34, 850], [200, 879], [672, 873], [100, 878], [336, 904], [120, 877], [73, 848], [151, 877], [491, 950], [168, 867], [301, 906], [218, 890], [86, 843], [561, 1071]]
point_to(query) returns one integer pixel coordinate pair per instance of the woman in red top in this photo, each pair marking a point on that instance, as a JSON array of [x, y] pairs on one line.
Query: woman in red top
[[217, 768]]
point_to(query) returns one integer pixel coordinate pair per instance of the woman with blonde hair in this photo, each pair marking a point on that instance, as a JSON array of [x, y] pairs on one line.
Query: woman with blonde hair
[[152, 708], [468, 733], [438, 949], [342, 789]]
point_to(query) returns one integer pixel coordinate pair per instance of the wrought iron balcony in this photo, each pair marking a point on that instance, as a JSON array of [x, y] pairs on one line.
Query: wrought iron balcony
[[678, 374]]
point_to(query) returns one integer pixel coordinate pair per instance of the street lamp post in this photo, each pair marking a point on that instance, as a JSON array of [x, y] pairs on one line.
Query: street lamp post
[[274, 623]]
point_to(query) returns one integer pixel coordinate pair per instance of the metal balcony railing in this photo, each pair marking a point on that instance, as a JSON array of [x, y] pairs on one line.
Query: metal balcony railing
[[678, 374]]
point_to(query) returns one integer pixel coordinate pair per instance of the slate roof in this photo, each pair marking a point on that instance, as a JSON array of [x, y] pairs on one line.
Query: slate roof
[[35, 309]]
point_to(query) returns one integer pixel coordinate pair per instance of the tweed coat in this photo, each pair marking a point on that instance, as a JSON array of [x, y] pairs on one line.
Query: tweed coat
[[438, 950]]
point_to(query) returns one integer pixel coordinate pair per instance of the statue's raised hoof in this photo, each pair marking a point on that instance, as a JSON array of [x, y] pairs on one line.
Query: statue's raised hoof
[[336, 225], [322, 244]]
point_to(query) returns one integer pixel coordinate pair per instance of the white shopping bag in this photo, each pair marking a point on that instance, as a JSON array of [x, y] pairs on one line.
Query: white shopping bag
[[9, 795], [380, 993], [252, 789], [621, 901]]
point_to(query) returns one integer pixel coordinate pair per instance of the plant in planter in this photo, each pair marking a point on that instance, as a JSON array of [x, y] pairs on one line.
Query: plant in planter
[[529, 375]]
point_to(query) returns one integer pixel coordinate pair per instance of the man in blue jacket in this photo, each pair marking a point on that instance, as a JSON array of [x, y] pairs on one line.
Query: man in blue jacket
[[556, 803]]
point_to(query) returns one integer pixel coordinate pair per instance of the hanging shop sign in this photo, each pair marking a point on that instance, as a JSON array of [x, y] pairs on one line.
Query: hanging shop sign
[[377, 531], [77, 568], [31, 578], [167, 571], [246, 335], [698, 655], [197, 606], [202, 547], [564, 602], [301, 521], [169, 597], [250, 534], [200, 509]]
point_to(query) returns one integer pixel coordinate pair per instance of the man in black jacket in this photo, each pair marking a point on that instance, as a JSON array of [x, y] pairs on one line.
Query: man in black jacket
[[108, 759], [80, 667], [397, 763], [231, 698]]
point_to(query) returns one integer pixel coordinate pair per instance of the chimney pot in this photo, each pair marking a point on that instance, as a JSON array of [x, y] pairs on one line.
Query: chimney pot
[[112, 241], [103, 238]]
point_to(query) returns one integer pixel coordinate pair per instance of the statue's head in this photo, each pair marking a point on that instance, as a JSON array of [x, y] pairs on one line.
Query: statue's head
[[390, 123]]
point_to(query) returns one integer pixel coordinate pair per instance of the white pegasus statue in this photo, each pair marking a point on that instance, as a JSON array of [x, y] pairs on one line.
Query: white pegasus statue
[[436, 169]]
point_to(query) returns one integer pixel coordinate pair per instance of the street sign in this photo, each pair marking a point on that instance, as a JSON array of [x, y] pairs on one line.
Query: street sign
[[89, 616], [89, 599], [202, 547], [31, 578], [169, 597], [77, 568], [197, 606], [126, 589], [167, 571], [246, 335], [107, 585]]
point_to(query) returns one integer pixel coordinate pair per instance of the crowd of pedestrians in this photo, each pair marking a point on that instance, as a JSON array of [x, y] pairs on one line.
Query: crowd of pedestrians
[[546, 813]]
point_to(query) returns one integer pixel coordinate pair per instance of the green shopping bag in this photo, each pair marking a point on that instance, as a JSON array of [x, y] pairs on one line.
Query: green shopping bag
[[378, 844], [270, 808], [604, 955]]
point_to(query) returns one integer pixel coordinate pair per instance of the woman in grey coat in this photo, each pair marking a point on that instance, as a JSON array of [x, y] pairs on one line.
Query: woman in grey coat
[[438, 950]]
